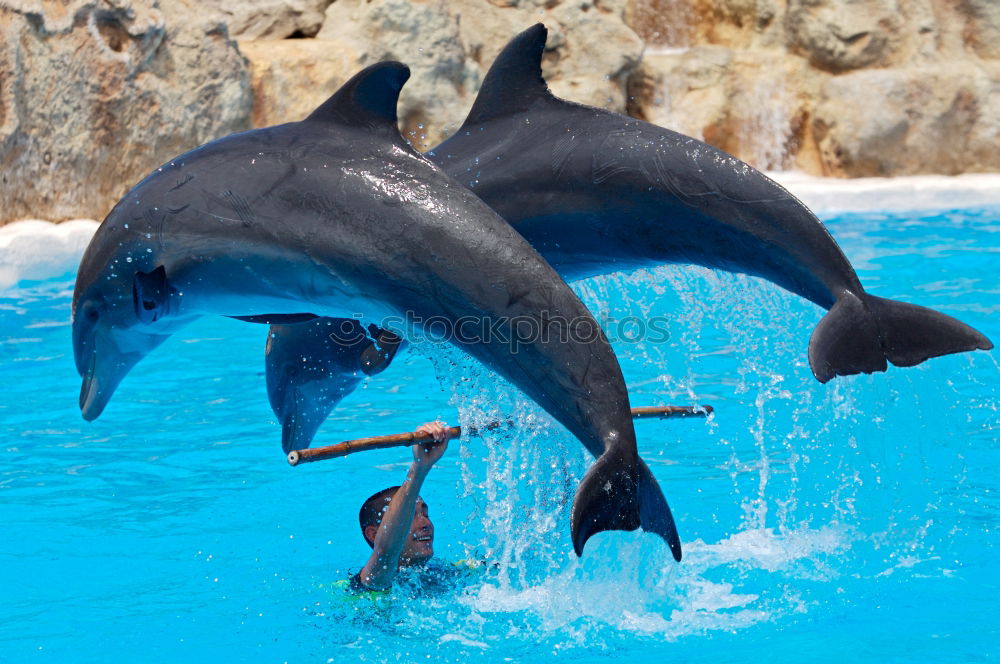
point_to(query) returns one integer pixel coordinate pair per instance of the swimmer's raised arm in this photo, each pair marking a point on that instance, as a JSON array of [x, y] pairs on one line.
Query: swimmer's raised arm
[[405, 535]]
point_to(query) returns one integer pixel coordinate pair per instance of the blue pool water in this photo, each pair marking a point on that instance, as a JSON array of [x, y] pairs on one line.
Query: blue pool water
[[855, 520]]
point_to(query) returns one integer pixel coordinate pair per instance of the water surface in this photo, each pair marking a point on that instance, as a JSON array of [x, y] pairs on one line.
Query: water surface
[[854, 520]]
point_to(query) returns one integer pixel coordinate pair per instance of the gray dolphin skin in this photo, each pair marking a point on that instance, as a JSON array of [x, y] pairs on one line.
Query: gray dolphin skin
[[305, 381], [338, 214], [596, 192]]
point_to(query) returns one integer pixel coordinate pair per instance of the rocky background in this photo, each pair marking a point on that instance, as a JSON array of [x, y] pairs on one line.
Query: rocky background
[[94, 94]]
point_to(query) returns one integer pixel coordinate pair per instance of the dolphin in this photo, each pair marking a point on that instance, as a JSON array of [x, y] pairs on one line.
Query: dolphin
[[596, 192], [337, 214], [336, 356]]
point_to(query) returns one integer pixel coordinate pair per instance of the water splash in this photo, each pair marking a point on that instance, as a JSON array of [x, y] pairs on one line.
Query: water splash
[[788, 502]]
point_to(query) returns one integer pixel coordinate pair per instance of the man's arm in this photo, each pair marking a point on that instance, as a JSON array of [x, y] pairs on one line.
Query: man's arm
[[394, 528]]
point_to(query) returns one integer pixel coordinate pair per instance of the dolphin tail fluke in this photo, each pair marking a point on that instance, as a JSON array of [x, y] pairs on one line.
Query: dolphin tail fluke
[[616, 495], [862, 334], [654, 512]]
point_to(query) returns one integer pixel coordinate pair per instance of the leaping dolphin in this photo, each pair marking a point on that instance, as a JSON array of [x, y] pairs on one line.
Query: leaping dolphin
[[338, 214], [311, 366], [596, 192]]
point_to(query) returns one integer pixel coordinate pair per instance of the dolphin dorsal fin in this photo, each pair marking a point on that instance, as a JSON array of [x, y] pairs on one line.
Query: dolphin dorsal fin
[[368, 100], [515, 79]]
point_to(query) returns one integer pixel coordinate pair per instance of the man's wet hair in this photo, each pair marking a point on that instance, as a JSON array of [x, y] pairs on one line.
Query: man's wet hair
[[373, 509]]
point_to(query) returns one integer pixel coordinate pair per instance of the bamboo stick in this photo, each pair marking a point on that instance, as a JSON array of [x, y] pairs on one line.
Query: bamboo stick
[[296, 457], [662, 412]]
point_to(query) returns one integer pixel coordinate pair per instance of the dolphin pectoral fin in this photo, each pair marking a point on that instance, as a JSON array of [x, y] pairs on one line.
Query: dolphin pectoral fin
[[607, 499], [654, 512], [862, 336]]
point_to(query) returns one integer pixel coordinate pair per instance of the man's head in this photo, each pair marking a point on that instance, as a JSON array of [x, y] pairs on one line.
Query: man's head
[[419, 547]]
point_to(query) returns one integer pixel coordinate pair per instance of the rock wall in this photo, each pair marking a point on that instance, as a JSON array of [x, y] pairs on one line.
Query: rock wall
[[449, 45], [845, 88], [94, 94]]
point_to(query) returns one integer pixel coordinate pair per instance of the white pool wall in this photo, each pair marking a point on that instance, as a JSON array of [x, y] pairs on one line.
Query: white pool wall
[[827, 196], [36, 250]]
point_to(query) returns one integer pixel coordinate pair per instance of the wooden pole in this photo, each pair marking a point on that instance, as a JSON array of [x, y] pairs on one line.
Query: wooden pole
[[296, 457], [662, 412]]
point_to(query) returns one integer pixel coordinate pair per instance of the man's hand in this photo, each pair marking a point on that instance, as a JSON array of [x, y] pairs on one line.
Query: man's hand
[[427, 454]]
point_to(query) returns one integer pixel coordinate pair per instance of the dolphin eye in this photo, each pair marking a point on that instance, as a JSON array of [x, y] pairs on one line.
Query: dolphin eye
[[88, 311]]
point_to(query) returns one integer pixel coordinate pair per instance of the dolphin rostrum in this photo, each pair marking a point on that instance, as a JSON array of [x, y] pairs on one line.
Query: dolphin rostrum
[[596, 192], [338, 214]]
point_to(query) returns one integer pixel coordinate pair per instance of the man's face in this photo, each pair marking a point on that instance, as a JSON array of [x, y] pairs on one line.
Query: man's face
[[419, 547]]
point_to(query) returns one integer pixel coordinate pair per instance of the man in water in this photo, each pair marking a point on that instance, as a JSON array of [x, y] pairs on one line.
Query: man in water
[[395, 521]]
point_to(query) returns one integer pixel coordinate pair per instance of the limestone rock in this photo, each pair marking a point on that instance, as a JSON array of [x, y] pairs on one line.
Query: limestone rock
[[745, 23], [291, 77], [270, 19], [765, 118], [450, 45], [94, 94], [732, 23], [684, 91], [852, 88], [984, 27], [840, 35], [941, 119], [753, 106], [665, 23], [836, 35]]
